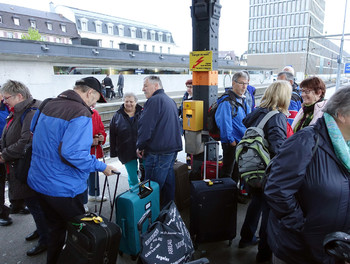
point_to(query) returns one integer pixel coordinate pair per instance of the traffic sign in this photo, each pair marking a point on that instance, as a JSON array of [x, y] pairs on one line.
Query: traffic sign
[[201, 60], [347, 68]]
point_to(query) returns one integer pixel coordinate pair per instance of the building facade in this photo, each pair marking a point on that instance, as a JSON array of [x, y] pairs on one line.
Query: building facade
[[290, 32], [114, 32], [15, 22]]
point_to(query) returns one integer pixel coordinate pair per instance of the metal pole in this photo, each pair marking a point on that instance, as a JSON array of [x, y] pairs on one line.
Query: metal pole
[[340, 57], [307, 49]]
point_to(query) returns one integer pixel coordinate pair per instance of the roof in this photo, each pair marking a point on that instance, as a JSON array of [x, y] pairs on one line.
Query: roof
[[41, 18]]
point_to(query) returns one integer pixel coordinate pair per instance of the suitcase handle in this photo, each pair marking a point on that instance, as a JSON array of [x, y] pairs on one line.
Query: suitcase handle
[[206, 144], [145, 190], [146, 215]]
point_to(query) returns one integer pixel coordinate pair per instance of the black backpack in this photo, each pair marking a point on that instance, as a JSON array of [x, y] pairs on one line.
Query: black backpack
[[213, 129]]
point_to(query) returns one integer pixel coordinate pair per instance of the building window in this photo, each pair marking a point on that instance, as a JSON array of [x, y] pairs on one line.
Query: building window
[[84, 24], [9, 34], [168, 37], [49, 26], [98, 25], [111, 44], [16, 21], [110, 29], [169, 50], [63, 28], [160, 36], [0, 19], [100, 43], [153, 35], [145, 47], [121, 30], [32, 23], [160, 49], [133, 32], [153, 48], [144, 33]]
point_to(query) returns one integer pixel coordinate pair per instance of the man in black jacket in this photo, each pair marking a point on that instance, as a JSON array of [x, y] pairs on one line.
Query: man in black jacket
[[159, 137]]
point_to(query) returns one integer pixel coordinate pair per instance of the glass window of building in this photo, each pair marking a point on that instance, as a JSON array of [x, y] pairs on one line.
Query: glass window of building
[[274, 34], [271, 9], [1, 19], [160, 49], [49, 26], [110, 27], [32, 23], [279, 21], [144, 47], [270, 34], [121, 30], [133, 32], [297, 21], [169, 49], [84, 24], [302, 5], [100, 42], [144, 33], [302, 22], [293, 6], [295, 45], [300, 45], [63, 28], [280, 8], [273, 47], [160, 36], [266, 47], [98, 25], [153, 35], [153, 48], [111, 44], [284, 21], [278, 47], [266, 35]]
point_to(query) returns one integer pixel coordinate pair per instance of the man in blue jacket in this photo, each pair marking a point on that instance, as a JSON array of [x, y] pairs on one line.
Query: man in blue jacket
[[228, 117], [159, 137], [61, 160]]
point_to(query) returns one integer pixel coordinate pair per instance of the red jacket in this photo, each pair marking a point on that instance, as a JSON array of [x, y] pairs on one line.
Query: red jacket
[[97, 128]]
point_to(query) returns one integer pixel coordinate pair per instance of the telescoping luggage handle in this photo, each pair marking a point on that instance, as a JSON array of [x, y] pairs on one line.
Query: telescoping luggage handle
[[206, 144], [111, 199], [146, 215]]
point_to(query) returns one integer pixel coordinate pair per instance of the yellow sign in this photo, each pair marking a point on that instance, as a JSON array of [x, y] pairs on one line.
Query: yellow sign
[[201, 60]]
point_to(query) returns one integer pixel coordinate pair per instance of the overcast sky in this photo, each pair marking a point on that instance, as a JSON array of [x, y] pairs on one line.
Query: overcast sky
[[175, 16]]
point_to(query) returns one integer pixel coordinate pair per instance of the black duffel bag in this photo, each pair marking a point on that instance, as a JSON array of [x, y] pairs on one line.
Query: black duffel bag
[[167, 240]]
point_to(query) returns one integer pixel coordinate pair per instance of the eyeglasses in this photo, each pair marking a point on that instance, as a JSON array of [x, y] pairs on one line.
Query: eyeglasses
[[243, 83], [8, 97], [306, 91]]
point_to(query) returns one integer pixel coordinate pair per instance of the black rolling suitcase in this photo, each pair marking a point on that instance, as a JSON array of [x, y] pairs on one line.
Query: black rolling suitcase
[[91, 241], [213, 215], [182, 185]]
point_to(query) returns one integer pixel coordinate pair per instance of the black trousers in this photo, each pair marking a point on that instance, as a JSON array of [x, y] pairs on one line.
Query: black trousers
[[229, 168], [4, 211], [58, 210]]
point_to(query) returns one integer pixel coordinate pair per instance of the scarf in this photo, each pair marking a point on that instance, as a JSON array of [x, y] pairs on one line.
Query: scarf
[[341, 148], [308, 115]]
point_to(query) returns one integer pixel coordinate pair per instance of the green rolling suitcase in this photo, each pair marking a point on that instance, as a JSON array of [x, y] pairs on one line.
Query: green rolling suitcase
[[130, 207]]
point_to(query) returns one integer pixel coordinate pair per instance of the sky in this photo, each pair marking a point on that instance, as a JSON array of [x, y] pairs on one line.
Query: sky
[[175, 16]]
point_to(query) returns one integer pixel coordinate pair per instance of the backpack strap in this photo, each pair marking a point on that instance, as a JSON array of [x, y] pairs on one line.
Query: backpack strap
[[26, 112], [267, 118], [41, 107]]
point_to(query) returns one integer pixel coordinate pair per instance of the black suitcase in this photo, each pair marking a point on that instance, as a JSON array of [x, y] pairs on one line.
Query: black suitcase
[[182, 185], [88, 242], [213, 214]]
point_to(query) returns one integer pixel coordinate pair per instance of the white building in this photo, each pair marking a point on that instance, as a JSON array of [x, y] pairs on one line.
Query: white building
[[115, 32]]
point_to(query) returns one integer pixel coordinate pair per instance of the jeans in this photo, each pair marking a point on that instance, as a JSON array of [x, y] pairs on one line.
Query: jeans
[[91, 186], [108, 92], [58, 210], [160, 168], [39, 218], [131, 168], [229, 167], [258, 206]]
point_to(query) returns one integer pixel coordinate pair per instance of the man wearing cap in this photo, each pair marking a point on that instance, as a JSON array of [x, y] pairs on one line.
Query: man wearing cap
[[61, 159]]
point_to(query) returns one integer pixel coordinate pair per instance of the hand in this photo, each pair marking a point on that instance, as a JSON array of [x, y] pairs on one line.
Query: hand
[[139, 153], [110, 170], [101, 138], [95, 141]]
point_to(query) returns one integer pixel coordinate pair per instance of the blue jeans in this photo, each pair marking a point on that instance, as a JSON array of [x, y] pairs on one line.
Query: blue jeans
[[39, 219], [131, 168], [160, 168], [91, 186]]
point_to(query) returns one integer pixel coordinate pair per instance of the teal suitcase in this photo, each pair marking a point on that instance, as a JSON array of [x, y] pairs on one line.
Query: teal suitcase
[[130, 207]]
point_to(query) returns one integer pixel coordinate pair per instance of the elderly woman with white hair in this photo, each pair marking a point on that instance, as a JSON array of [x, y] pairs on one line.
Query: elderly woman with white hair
[[308, 187], [123, 135]]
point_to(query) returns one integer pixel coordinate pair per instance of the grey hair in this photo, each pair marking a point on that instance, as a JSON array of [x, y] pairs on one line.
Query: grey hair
[[82, 88], [289, 75], [289, 69], [154, 79], [14, 87], [246, 72], [339, 103], [238, 75], [130, 95]]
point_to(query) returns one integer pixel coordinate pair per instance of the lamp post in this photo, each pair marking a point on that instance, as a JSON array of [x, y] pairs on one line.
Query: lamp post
[[341, 50]]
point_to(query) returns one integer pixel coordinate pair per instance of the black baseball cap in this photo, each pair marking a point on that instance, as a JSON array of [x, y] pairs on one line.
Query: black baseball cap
[[93, 83]]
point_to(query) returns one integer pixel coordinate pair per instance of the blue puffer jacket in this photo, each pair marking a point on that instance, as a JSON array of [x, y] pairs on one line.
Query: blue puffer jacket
[[309, 197], [61, 160], [159, 129], [229, 120], [275, 129], [123, 135]]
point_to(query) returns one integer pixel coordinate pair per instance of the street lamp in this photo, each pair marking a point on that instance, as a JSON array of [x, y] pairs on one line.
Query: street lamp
[[341, 50]]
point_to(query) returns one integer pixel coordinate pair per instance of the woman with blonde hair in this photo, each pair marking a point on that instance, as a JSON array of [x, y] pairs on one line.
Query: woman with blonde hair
[[276, 97]]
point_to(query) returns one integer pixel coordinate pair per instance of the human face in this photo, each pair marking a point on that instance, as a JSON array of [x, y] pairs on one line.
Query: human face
[[240, 86], [149, 88], [129, 104], [189, 89], [310, 96], [11, 100]]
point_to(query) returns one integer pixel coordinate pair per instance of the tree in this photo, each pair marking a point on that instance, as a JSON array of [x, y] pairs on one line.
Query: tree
[[33, 34]]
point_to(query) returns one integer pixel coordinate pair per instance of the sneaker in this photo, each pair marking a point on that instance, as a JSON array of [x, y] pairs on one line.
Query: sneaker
[[86, 208], [98, 198]]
